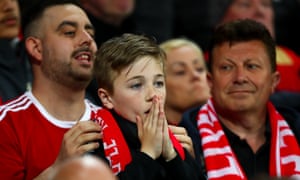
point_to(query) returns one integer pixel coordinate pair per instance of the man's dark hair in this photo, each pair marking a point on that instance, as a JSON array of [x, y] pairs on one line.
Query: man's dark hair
[[33, 9], [243, 31]]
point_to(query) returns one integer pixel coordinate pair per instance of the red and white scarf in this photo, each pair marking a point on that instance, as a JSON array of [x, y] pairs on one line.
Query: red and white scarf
[[220, 160], [115, 147]]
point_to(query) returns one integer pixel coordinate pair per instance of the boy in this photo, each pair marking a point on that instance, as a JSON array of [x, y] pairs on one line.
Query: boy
[[137, 142]]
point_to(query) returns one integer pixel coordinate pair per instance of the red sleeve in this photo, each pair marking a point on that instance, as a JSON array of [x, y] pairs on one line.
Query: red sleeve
[[10, 152]]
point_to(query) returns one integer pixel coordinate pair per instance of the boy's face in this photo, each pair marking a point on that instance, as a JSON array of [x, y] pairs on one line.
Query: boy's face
[[135, 88]]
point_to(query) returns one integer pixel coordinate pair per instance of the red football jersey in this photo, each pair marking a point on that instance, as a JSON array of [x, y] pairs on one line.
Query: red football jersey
[[30, 137]]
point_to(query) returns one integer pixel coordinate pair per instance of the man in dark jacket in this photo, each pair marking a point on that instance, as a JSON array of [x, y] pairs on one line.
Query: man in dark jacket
[[242, 135]]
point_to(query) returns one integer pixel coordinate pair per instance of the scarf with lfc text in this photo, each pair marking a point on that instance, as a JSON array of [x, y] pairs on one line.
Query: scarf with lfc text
[[115, 147], [221, 162]]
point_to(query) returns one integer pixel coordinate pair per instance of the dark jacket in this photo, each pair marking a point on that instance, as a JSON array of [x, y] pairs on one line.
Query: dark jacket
[[15, 73]]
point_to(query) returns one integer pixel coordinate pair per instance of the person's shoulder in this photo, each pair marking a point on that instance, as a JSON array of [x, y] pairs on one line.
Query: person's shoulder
[[191, 113], [16, 105], [292, 117], [286, 99], [93, 106], [190, 116]]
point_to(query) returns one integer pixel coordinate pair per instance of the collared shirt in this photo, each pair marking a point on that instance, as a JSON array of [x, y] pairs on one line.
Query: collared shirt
[[253, 164]]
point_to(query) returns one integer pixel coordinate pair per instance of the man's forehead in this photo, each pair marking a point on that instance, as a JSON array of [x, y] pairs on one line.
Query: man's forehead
[[64, 10], [67, 12]]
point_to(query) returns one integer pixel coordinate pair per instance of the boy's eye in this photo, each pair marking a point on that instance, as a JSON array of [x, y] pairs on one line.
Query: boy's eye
[[159, 84], [136, 86]]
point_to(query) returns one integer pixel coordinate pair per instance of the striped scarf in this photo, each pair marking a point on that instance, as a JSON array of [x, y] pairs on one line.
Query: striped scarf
[[221, 162]]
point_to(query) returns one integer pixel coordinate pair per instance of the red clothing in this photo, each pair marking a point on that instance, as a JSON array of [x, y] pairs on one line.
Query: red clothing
[[30, 137], [288, 64]]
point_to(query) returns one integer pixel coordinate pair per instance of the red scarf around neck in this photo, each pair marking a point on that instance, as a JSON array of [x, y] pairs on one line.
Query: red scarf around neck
[[220, 160], [115, 147]]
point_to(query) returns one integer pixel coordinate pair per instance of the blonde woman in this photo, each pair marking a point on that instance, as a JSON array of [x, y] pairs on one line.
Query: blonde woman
[[186, 87], [186, 82]]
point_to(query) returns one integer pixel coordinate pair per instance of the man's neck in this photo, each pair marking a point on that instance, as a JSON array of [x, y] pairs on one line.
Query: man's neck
[[62, 103], [249, 128]]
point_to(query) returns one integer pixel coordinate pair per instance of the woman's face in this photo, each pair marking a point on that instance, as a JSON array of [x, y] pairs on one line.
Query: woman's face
[[186, 80]]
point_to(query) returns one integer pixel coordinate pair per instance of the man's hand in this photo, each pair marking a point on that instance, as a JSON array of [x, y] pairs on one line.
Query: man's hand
[[81, 138]]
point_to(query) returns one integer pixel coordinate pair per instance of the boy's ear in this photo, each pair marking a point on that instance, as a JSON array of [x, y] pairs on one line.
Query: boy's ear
[[105, 98], [34, 48]]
